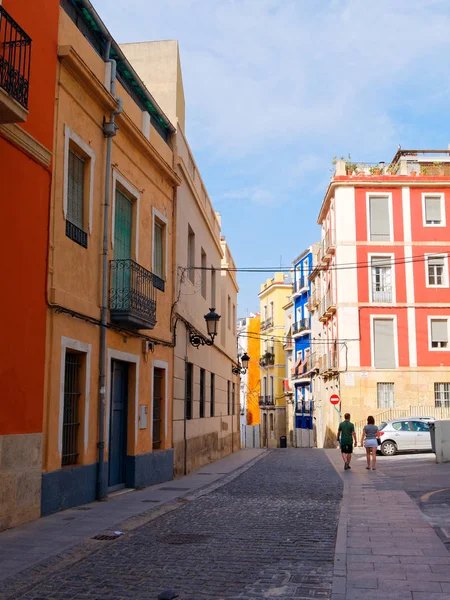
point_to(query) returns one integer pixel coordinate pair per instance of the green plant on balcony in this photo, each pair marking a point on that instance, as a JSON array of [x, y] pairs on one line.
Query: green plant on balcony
[[423, 170], [350, 166], [393, 169], [376, 170]]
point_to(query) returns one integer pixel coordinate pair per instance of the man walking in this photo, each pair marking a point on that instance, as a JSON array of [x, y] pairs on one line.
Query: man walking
[[346, 437]]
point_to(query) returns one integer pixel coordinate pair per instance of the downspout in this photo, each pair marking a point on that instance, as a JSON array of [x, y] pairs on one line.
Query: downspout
[[109, 131]]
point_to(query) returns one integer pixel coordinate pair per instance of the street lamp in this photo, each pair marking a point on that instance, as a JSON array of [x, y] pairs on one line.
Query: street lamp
[[212, 319], [245, 359]]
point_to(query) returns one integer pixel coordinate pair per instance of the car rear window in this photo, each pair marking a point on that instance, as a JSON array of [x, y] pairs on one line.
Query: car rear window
[[381, 426]]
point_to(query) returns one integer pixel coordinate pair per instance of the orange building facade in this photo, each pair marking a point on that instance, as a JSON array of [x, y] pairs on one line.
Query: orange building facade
[[27, 92]]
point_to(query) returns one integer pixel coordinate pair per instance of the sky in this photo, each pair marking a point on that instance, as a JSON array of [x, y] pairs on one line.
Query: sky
[[276, 88]]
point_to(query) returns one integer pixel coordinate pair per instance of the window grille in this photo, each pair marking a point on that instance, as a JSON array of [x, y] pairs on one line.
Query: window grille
[[202, 393], [71, 421], [385, 395], [212, 408], [228, 398], [191, 255], [233, 399], [203, 274], [158, 378], [188, 391], [75, 200], [442, 395]]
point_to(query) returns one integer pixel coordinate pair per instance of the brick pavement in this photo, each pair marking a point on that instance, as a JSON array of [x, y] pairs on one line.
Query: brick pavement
[[269, 533], [385, 548]]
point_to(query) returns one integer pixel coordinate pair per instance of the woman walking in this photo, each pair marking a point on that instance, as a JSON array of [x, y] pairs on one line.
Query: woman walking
[[369, 439]]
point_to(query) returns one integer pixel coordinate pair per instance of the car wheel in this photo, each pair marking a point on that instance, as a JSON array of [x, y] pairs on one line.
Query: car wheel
[[388, 448]]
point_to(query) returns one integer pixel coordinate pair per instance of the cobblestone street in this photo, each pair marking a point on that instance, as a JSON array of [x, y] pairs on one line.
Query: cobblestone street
[[269, 533]]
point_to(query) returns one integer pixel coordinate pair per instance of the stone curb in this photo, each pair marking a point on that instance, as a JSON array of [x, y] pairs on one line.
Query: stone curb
[[28, 578]]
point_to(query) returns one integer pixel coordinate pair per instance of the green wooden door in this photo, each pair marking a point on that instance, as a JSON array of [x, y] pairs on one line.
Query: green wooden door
[[122, 250]]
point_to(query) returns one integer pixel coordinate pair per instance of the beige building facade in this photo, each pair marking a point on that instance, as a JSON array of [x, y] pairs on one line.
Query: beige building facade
[[206, 393]]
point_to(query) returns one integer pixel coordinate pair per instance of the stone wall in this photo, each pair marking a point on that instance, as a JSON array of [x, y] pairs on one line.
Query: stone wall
[[20, 478], [203, 450]]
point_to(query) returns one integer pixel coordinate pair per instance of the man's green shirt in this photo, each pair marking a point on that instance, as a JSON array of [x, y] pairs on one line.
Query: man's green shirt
[[346, 428]]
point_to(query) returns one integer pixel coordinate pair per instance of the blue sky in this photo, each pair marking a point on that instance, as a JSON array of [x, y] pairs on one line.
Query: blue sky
[[276, 88]]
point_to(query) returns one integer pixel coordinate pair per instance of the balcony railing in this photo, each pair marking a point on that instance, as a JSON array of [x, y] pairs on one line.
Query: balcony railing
[[410, 163], [300, 284], [132, 299], [301, 326], [266, 401], [267, 359], [15, 59], [384, 295], [267, 324], [328, 363]]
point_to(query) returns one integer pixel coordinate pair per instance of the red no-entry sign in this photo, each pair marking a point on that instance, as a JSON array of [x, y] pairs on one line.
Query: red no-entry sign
[[334, 399]]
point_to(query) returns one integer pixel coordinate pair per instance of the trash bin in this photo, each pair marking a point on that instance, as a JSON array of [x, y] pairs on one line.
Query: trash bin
[[283, 441], [432, 427]]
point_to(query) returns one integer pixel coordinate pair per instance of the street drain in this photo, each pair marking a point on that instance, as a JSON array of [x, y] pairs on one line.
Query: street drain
[[105, 537], [154, 501], [179, 539], [174, 489], [82, 508]]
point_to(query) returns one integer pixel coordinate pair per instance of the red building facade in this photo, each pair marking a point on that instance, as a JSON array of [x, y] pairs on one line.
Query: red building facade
[[29, 34], [382, 289]]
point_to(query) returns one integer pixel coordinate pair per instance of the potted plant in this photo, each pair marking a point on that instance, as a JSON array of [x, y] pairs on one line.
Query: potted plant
[[375, 170], [350, 166], [413, 173], [423, 171], [437, 168], [393, 169]]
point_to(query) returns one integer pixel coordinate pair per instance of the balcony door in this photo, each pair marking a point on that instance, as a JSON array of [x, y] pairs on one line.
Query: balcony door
[[123, 221]]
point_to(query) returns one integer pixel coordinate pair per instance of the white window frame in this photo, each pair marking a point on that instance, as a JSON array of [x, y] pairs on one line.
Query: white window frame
[[159, 364], [445, 273], [136, 197], [156, 215], [438, 318], [82, 348], [384, 317], [444, 383], [391, 256], [71, 136], [441, 196], [387, 195]]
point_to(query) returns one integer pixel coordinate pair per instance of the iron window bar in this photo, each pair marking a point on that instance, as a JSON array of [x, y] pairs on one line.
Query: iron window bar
[[15, 58], [71, 421]]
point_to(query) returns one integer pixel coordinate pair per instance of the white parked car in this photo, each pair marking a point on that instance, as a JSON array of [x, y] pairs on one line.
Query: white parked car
[[405, 435]]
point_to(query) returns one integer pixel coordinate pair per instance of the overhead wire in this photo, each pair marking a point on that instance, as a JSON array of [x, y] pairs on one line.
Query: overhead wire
[[342, 266]]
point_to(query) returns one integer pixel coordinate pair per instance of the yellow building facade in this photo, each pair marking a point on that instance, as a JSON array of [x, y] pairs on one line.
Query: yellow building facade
[[273, 296], [109, 349]]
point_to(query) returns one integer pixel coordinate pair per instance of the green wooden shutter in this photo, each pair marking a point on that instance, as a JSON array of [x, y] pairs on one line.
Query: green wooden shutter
[[122, 227]]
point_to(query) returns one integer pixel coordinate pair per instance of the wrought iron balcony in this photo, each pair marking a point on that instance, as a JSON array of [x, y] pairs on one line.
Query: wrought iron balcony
[[266, 401], [267, 324], [15, 62], [267, 359], [302, 326], [132, 299]]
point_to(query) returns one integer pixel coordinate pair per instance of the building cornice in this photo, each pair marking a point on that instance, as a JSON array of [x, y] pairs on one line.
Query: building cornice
[[272, 286], [388, 182], [89, 82], [27, 143]]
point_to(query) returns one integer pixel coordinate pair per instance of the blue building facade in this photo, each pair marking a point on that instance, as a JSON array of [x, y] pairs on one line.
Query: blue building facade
[[301, 336]]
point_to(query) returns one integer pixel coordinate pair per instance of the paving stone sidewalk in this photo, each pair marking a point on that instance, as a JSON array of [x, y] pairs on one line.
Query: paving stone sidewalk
[[385, 548], [63, 535], [268, 533]]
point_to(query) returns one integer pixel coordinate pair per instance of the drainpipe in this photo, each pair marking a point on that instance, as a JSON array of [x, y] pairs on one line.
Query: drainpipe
[[109, 131]]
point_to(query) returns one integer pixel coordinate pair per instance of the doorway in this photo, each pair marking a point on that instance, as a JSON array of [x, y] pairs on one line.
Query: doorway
[[117, 451]]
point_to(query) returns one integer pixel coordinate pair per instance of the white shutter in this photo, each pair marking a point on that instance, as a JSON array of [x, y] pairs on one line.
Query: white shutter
[[379, 219], [433, 209], [439, 330], [384, 346]]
